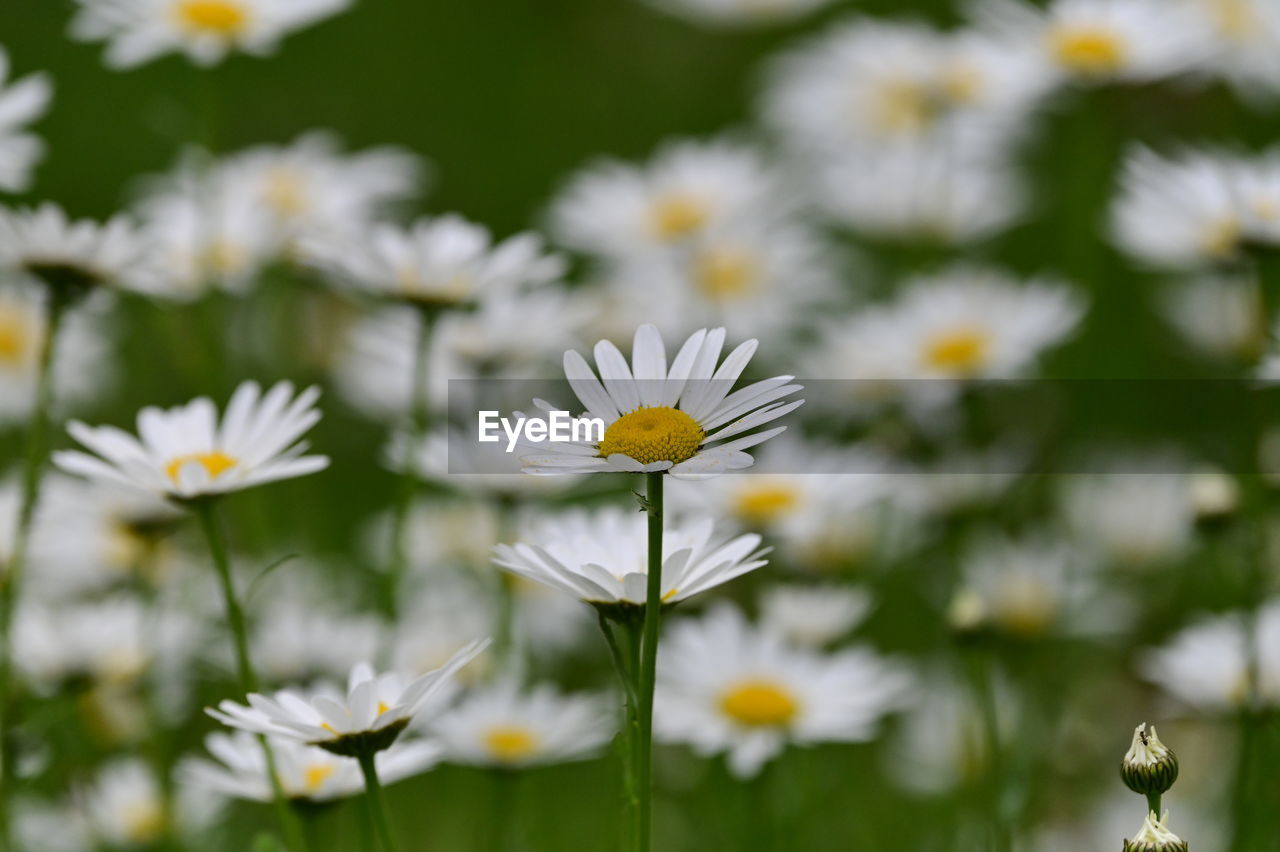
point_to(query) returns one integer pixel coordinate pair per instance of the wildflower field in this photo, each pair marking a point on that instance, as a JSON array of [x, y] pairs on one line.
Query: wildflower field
[[917, 365]]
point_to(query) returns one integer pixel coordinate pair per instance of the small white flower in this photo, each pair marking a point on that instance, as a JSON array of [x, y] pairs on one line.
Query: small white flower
[[725, 687], [43, 244], [739, 13], [124, 808], [600, 557], [1245, 37], [21, 102], [1218, 314], [296, 639], [138, 31], [184, 452], [1133, 518], [441, 617], [372, 714], [813, 616], [306, 773], [506, 726], [674, 418]]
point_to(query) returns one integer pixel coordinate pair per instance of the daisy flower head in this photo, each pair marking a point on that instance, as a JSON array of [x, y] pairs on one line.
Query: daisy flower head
[[124, 807], [676, 418], [237, 768], [505, 726], [1218, 314], [185, 453], [1245, 40], [442, 262], [21, 102], [813, 616], [74, 257], [370, 717], [205, 31], [1142, 517], [739, 13], [727, 687], [600, 556]]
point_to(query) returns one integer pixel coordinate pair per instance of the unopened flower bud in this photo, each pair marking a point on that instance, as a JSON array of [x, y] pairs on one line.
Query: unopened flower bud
[[967, 612], [1214, 496], [1155, 837], [1150, 767]]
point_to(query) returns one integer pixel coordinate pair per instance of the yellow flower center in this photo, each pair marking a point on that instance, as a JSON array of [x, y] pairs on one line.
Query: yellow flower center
[[315, 775], [15, 337], [759, 703], [653, 434], [677, 216], [143, 822], [1223, 238], [382, 707], [222, 257], [1026, 606], [1235, 18], [905, 106], [222, 18], [285, 192], [961, 351], [962, 83], [1088, 50], [215, 463], [724, 273], [765, 503], [510, 743]]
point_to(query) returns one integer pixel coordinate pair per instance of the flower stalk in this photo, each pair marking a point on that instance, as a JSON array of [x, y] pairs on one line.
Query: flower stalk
[[376, 801], [649, 662]]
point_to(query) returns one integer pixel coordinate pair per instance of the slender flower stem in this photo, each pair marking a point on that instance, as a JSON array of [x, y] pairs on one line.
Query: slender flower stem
[[1153, 803], [11, 581], [206, 511], [505, 648], [626, 663], [649, 661], [377, 804]]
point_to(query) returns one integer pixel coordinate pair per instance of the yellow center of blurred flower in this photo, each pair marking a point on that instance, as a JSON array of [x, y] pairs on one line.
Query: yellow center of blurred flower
[[724, 273], [223, 258], [382, 707], [223, 18], [960, 351], [905, 106], [677, 216], [143, 822], [285, 192], [759, 703], [1026, 606], [962, 83], [1223, 238], [653, 434], [215, 463], [510, 743], [1235, 18], [315, 775], [15, 337], [1088, 50], [765, 503]]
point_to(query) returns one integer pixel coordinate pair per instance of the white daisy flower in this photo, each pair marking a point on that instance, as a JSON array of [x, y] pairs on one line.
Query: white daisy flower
[[205, 31], [600, 557], [813, 616], [1133, 518], [306, 773], [372, 714], [725, 687], [1245, 36], [441, 262], [616, 210], [441, 616], [73, 256], [673, 418], [22, 101], [739, 13], [184, 452], [505, 726], [1206, 666], [1102, 41], [124, 807], [1219, 315], [49, 826], [296, 639]]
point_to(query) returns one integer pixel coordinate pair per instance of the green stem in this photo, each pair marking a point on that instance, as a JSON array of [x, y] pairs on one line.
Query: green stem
[[502, 819], [377, 804], [1153, 803], [11, 582], [984, 691], [649, 661], [206, 511], [505, 649], [626, 663]]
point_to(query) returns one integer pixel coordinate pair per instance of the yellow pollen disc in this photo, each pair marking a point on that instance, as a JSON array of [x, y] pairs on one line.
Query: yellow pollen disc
[[676, 216], [1089, 50], [285, 192], [1025, 606], [961, 351], [962, 83], [223, 18], [765, 503], [1235, 19], [724, 273], [382, 707], [216, 463], [511, 743], [316, 774], [904, 106], [223, 257], [1223, 238], [759, 703], [15, 337], [653, 434], [144, 822]]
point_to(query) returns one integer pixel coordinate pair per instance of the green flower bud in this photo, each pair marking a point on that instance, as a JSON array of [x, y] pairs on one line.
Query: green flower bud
[[1150, 767], [1155, 837]]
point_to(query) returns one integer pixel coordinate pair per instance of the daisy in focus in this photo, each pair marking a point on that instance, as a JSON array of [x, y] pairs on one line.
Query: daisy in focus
[[726, 687], [601, 557], [22, 101], [508, 727], [205, 31], [185, 452], [73, 257], [675, 418]]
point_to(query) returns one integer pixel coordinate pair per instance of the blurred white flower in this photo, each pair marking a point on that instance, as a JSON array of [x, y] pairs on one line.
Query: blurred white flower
[[22, 101], [296, 639], [1206, 666], [726, 687], [440, 617], [49, 826], [1245, 36], [369, 717], [206, 31], [124, 808], [443, 532], [813, 616], [600, 557], [506, 726], [41, 243], [306, 773], [672, 418], [1220, 315], [457, 461], [739, 13], [184, 452], [617, 211], [1132, 518]]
